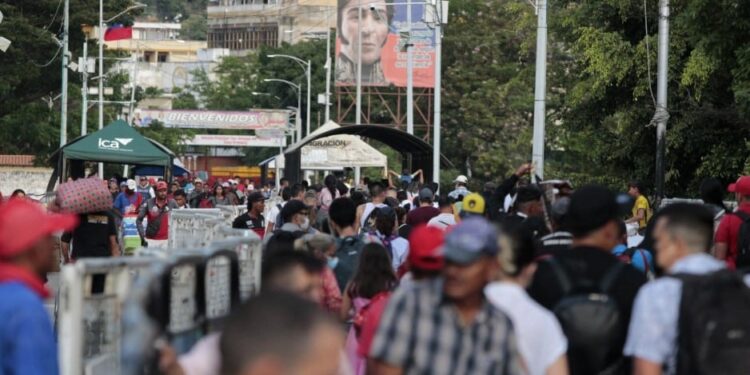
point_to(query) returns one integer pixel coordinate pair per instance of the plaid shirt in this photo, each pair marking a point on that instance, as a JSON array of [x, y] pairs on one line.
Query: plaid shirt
[[422, 334]]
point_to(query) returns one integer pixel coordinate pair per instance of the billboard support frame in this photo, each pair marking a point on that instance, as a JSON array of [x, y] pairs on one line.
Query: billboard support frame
[[375, 96]]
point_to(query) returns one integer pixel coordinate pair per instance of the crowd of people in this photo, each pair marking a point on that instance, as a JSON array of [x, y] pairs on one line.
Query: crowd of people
[[408, 277]]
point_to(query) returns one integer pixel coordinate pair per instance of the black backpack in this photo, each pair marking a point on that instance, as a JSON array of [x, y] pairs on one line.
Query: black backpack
[[369, 224], [743, 241], [592, 322], [714, 329]]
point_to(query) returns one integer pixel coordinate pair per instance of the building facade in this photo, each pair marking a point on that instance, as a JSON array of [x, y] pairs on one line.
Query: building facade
[[243, 25]]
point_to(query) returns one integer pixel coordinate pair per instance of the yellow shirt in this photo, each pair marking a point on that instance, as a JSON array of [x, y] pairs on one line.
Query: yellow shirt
[[641, 203]]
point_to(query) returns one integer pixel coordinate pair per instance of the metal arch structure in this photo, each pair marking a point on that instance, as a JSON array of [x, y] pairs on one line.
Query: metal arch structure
[[411, 147]]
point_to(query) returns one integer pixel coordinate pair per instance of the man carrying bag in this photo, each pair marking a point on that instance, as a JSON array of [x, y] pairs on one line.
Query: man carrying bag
[[156, 210]]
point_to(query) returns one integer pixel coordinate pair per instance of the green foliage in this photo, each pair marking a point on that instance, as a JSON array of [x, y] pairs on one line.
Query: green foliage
[[194, 28], [30, 73]]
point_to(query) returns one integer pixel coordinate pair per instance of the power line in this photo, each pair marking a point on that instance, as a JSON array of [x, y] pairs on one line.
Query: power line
[[54, 17], [648, 54], [50, 61]]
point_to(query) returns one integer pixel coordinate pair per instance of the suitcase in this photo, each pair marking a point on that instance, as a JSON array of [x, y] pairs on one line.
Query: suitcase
[[84, 195]]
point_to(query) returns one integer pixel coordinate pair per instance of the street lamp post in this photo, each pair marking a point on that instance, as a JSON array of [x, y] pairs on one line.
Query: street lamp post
[[306, 66], [298, 123], [101, 62]]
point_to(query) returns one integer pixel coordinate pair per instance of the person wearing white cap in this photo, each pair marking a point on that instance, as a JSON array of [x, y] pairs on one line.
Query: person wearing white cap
[[128, 202], [461, 190]]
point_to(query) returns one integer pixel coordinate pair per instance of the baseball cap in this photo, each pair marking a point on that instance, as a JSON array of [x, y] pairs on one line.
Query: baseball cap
[[143, 178], [124, 183], [255, 197], [291, 208], [131, 184], [473, 204], [591, 207], [424, 248], [225, 185], [528, 193], [426, 193], [742, 186], [197, 181], [470, 240], [161, 186], [461, 179], [23, 223]]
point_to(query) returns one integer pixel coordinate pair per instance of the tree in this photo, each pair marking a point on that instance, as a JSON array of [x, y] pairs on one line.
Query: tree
[[30, 72]]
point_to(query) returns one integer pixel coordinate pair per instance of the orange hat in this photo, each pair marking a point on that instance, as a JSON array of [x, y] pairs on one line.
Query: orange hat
[[424, 248], [23, 224]]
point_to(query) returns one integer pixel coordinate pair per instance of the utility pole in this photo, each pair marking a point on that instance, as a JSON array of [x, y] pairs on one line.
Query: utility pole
[[85, 86], [65, 57], [328, 72], [438, 77], [101, 75], [409, 74], [309, 88], [662, 115], [540, 89], [359, 63]]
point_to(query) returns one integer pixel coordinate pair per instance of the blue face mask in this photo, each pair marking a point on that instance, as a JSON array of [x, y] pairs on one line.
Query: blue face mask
[[333, 262]]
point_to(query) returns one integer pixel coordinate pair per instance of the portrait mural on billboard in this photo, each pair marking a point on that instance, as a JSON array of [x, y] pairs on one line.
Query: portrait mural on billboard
[[384, 56]]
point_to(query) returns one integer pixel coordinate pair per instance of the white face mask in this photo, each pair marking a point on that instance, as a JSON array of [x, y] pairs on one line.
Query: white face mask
[[305, 224]]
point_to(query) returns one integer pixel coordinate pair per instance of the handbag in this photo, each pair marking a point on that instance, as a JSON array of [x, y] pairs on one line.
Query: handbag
[[84, 195]]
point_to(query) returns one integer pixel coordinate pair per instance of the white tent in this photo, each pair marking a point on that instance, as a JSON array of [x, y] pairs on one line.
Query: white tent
[[334, 152]]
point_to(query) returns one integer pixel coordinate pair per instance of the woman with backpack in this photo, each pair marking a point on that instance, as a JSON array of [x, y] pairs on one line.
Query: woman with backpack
[[386, 233], [373, 281]]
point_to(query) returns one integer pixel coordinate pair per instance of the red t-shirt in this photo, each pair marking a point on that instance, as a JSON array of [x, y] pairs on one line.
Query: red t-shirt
[[421, 215], [153, 213], [728, 233]]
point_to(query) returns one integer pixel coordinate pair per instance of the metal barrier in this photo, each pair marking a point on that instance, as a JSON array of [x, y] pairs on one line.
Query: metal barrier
[[249, 249], [89, 323], [193, 228], [731, 205], [178, 294], [179, 303]]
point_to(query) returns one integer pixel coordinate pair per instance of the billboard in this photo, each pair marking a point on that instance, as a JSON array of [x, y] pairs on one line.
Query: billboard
[[253, 119], [384, 36], [235, 141]]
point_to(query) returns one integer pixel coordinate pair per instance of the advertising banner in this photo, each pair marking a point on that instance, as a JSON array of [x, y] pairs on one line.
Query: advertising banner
[[235, 141], [195, 119], [384, 38]]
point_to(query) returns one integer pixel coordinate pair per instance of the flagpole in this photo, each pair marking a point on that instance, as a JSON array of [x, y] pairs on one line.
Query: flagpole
[[101, 75]]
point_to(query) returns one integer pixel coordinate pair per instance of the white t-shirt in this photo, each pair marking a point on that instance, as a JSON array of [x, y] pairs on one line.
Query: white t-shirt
[[271, 218], [400, 248], [540, 338], [442, 221]]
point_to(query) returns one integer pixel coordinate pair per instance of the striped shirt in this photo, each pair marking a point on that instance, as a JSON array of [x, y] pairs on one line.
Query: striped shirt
[[422, 333]]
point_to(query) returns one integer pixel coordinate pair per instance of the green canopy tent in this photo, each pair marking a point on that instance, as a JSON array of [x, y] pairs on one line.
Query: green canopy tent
[[115, 143]]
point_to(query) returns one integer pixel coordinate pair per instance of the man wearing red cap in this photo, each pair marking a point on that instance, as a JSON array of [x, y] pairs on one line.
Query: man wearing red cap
[[157, 210], [27, 249], [728, 232]]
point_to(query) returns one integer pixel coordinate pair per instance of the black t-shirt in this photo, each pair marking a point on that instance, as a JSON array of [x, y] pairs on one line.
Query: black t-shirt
[[257, 225], [588, 266], [91, 238]]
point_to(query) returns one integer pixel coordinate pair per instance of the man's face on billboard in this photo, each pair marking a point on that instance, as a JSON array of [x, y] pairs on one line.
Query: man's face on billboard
[[374, 29]]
